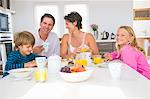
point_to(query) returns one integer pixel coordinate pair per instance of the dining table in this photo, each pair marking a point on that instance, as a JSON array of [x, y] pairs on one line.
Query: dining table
[[101, 85]]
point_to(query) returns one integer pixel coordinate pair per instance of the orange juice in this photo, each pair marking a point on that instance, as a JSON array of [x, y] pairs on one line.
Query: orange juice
[[77, 61], [40, 75], [84, 62], [97, 60], [83, 49], [81, 62]]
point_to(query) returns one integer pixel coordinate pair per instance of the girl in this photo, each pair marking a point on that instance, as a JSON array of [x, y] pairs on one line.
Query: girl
[[23, 56], [129, 52], [77, 40]]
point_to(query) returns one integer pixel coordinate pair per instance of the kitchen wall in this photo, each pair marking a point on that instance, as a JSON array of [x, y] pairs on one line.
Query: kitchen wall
[[110, 15], [107, 14]]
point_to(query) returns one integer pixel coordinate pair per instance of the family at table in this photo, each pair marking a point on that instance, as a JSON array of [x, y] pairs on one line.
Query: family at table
[[46, 43]]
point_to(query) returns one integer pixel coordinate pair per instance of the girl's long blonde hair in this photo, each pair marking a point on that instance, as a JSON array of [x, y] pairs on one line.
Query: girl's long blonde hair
[[133, 42]]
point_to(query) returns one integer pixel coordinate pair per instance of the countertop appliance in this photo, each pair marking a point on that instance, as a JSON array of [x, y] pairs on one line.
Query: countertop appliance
[[105, 35], [113, 36], [5, 47], [4, 22]]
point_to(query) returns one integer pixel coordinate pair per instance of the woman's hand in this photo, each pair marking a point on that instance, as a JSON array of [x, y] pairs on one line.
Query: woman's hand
[[71, 55], [77, 50], [108, 57], [83, 49]]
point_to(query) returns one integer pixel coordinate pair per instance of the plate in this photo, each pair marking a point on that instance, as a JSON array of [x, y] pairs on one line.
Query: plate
[[103, 64], [21, 72], [24, 78]]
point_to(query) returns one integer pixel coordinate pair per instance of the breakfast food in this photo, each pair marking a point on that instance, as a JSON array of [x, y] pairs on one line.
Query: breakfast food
[[76, 68], [66, 69]]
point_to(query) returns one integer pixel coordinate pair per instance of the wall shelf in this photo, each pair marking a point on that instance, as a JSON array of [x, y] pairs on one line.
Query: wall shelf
[[141, 14]]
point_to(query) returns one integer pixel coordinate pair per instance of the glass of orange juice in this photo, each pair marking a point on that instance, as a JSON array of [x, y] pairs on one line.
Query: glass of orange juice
[[97, 59], [40, 74], [80, 59], [84, 49], [84, 62]]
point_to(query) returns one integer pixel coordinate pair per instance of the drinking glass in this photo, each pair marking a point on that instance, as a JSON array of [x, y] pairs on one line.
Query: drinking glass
[[97, 59], [41, 61], [40, 74], [115, 70]]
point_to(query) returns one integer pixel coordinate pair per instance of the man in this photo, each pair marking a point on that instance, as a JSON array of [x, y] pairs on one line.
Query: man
[[46, 42]]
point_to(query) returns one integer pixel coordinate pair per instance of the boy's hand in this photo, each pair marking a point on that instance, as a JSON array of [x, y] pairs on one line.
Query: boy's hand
[[30, 64]]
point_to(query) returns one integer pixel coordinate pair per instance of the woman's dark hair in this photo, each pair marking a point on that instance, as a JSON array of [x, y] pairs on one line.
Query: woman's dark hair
[[49, 16], [74, 16]]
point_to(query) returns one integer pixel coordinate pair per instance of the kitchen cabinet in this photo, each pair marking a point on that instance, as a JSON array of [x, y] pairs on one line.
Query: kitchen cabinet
[[5, 4], [142, 14], [6, 32], [106, 47], [5, 7]]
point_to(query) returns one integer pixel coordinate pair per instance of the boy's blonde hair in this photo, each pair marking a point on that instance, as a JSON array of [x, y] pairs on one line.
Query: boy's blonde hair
[[134, 41], [23, 38]]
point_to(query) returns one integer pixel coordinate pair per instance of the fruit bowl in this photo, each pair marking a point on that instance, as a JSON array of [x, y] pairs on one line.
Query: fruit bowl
[[77, 76], [21, 72]]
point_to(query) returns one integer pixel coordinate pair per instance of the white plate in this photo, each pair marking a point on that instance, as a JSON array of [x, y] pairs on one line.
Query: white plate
[[21, 72], [24, 78], [103, 64]]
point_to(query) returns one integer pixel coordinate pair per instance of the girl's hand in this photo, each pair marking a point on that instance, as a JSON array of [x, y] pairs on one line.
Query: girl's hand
[[108, 57], [30, 64]]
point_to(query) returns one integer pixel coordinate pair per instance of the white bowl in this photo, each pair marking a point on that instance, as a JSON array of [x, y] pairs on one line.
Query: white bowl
[[64, 63], [77, 76], [21, 72]]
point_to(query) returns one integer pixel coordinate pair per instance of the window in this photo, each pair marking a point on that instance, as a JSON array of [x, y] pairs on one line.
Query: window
[[52, 9], [58, 11], [82, 10]]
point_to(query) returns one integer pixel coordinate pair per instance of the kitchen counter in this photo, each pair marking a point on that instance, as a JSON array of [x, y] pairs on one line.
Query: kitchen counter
[[108, 40], [106, 45], [143, 37]]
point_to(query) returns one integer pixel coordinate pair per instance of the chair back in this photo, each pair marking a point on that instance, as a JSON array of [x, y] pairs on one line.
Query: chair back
[[146, 46]]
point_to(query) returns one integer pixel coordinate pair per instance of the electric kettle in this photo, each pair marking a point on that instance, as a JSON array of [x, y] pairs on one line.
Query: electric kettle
[[105, 35], [113, 36]]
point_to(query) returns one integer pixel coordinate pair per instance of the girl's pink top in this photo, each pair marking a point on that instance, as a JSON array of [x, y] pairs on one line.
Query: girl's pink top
[[134, 58]]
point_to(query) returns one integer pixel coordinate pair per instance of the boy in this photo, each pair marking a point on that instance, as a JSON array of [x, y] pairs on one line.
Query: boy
[[23, 56]]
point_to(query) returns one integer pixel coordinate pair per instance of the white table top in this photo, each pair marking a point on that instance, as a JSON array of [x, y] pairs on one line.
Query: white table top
[[132, 85]]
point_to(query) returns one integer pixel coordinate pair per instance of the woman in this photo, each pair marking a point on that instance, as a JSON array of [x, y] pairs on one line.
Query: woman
[[76, 40]]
